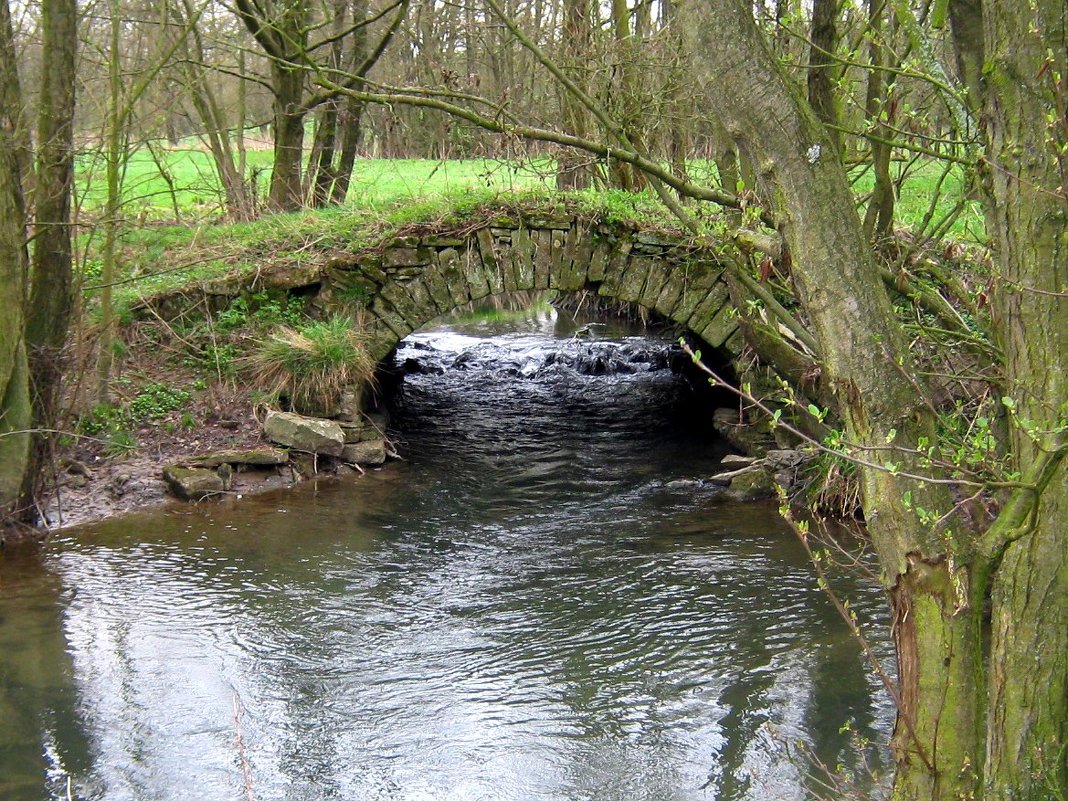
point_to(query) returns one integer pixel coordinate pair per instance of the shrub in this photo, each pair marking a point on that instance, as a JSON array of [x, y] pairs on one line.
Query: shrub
[[312, 365]]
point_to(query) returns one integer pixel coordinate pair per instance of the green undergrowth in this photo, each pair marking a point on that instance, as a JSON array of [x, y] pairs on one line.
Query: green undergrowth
[[174, 372], [219, 345], [150, 403]]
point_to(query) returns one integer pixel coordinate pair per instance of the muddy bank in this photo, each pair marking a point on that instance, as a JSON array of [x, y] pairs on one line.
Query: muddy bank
[[93, 485]]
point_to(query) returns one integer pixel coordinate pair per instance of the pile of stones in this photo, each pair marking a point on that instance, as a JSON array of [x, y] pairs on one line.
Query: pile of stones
[[306, 444]]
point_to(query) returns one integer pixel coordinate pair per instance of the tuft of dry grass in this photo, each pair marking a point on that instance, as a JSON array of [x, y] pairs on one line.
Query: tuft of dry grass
[[833, 488], [312, 366]]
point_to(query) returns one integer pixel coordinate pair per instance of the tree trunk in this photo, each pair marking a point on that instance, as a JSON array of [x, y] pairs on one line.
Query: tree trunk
[[113, 206], [12, 108], [284, 39], [572, 169], [242, 123], [288, 84], [879, 218], [15, 414], [320, 175], [937, 636], [351, 116], [49, 312], [966, 19], [822, 41], [213, 120], [351, 128], [1026, 126], [866, 364], [624, 175], [681, 120]]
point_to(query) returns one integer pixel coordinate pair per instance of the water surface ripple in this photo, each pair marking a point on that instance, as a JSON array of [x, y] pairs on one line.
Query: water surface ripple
[[544, 601]]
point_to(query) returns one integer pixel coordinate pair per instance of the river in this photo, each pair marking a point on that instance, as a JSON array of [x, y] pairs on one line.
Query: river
[[544, 600]]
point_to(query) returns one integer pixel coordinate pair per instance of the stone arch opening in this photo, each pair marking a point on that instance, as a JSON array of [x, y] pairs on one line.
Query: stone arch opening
[[412, 280]]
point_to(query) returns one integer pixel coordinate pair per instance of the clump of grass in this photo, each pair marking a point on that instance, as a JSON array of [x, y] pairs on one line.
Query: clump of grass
[[312, 365]]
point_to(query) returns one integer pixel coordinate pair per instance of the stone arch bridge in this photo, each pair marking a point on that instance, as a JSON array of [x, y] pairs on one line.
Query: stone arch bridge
[[410, 280]]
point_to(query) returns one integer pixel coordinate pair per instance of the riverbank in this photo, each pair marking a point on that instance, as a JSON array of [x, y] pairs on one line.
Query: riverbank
[[93, 483], [173, 403]]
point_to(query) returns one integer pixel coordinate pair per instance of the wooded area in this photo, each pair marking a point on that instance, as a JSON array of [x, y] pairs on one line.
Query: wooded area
[[753, 123]]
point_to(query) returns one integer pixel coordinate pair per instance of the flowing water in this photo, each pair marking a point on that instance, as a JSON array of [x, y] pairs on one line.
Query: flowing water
[[544, 600]]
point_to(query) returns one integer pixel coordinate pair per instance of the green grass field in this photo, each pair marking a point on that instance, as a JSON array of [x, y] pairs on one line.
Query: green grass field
[[179, 183], [926, 194], [170, 183]]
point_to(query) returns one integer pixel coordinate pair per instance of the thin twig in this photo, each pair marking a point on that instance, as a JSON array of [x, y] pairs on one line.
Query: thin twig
[[246, 767]]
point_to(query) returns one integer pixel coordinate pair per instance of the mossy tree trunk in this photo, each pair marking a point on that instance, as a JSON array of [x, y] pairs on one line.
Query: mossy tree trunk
[[49, 311], [283, 36], [287, 83], [15, 413], [15, 416], [1026, 128]]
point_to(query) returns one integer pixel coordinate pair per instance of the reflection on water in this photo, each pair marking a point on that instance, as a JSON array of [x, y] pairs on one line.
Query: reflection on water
[[543, 601]]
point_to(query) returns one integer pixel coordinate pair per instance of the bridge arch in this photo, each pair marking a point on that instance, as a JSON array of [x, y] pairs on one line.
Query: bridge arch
[[410, 280]]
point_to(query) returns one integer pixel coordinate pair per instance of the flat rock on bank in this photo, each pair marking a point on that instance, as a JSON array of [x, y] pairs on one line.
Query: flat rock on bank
[[310, 434], [194, 483]]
